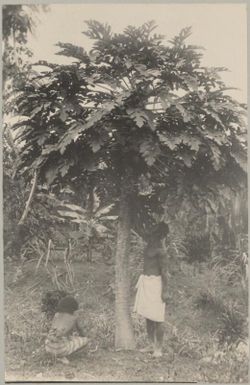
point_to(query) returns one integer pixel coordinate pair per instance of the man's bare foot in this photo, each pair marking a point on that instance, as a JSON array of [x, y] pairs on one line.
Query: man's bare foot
[[147, 349], [157, 353]]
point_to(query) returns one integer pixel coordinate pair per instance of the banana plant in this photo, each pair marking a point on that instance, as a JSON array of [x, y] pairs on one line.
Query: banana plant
[[93, 222]]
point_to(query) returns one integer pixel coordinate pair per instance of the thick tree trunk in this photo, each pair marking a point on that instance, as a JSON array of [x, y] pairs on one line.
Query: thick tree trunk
[[124, 337]]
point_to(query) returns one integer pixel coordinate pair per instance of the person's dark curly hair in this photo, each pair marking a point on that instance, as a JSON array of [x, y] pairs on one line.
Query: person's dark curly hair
[[67, 305], [50, 301], [158, 232]]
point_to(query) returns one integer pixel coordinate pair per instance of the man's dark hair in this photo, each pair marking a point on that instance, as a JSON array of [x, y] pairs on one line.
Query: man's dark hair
[[67, 305]]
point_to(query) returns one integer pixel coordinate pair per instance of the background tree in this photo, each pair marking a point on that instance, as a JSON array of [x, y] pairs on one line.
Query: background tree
[[146, 116], [18, 22]]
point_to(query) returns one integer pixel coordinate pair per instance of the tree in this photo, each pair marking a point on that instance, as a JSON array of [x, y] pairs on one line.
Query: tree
[[18, 22], [144, 116]]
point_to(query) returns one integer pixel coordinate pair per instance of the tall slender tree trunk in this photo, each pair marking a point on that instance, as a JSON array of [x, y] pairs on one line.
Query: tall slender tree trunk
[[90, 250], [124, 337], [90, 211], [28, 203]]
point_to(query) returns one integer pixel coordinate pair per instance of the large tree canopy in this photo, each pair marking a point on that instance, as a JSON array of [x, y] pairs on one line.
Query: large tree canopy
[[136, 113], [131, 101]]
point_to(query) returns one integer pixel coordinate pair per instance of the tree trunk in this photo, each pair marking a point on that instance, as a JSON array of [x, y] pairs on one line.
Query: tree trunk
[[124, 337], [28, 203], [89, 251], [90, 213]]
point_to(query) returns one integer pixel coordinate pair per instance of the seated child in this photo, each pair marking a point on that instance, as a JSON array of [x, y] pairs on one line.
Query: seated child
[[61, 340]]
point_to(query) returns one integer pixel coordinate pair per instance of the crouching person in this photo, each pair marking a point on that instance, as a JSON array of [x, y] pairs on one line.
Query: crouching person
[[62, 340], [152, 288]]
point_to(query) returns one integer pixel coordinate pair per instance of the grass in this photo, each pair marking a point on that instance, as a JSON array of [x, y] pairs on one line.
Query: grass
[[191, 349]]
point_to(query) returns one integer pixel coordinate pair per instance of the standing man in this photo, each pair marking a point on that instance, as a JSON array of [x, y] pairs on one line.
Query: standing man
[[152, 288]]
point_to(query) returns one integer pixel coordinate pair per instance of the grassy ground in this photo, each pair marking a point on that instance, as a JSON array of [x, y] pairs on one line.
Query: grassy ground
[[190, 349]]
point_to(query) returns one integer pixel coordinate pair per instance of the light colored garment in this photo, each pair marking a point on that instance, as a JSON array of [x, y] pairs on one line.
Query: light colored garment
[[148, 302], [62, 346]]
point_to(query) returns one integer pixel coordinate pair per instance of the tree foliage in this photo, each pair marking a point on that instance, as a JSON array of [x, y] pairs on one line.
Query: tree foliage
[[133, 105], [18, 22]]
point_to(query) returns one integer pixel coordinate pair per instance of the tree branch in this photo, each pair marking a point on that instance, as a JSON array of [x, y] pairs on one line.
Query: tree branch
[[27, 206]]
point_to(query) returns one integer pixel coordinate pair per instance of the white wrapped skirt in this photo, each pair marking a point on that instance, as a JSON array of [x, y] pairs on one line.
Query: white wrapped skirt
[[148, 302]]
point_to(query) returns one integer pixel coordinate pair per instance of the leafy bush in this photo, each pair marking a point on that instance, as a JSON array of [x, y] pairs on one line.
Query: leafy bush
[[232, 325], [206, 299], [198, 247], [226, 308], [233, 262]]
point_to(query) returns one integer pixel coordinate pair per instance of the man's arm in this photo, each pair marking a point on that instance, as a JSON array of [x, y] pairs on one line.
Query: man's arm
[[163, 261], [79, 329]]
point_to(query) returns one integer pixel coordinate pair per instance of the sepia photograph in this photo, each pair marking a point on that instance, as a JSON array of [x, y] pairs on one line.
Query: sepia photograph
[[125, 212]]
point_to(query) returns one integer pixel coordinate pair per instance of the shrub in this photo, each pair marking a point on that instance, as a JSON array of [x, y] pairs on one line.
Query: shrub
[[198, 247], [230, 317], [232, 325]]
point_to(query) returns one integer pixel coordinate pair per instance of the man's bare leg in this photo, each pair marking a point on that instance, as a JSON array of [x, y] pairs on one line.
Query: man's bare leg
[[150, 325], [158, 340]]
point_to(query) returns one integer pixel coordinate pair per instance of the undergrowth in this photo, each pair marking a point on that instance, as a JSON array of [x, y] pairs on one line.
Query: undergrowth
[[199, 320]]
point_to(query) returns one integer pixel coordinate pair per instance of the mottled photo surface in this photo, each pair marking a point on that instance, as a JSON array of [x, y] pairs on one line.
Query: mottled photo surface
[[125, 192]]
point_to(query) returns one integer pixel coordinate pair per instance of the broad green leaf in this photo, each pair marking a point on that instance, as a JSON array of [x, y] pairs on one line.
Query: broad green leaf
[[109, 218], [68, 49], [141, 117], [214, 115], [169, 140], [139, 120], [101, 229], [71, 214], [218, 137], [36, 110], [64, 169], [49, 149], [104, 210], [149, 151], [22, 121], [75, 208]]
